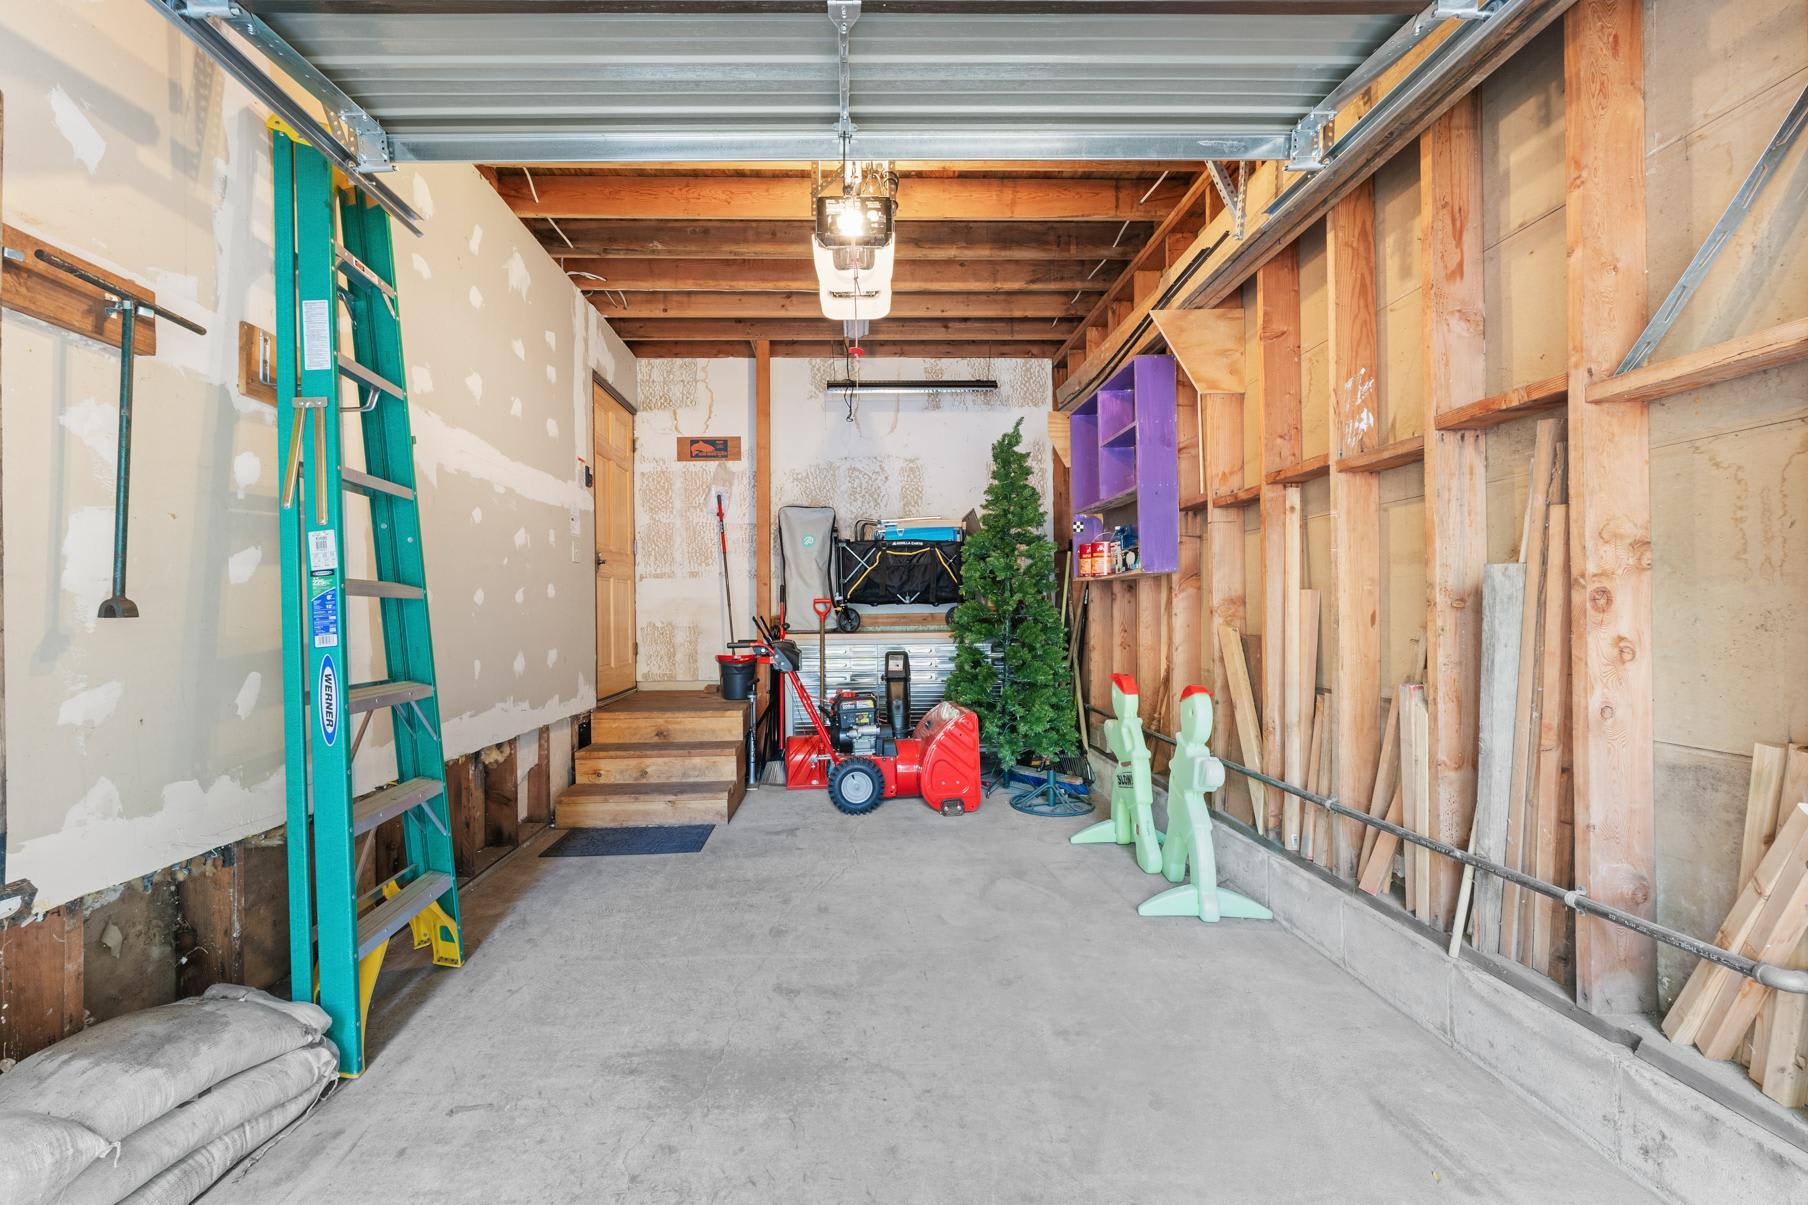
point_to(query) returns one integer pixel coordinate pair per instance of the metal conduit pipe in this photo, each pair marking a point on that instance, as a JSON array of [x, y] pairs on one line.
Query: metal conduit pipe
[[1783, 979]]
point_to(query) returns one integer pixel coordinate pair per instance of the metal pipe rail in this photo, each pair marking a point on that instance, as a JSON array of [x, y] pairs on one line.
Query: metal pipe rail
[[1783, 979]]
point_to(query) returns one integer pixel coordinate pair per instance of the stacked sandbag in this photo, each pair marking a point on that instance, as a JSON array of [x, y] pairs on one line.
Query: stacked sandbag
[[155, 1106]]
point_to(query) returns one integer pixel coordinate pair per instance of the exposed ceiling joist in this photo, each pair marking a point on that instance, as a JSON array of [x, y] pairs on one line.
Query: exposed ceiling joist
[[744, 199], [809, 305], [1085, 241], [736, 349], [983, 330], [635, 274]]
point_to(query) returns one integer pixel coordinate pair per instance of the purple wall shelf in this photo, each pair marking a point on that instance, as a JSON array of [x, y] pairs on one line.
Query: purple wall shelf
[[1124, 468]]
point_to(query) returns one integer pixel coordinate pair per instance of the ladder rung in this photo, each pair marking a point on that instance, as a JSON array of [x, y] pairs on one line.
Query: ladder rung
[[367, 377], [368, 696], [366, 484], [376, 926], [386, 803], [364, 587], [356, 269]]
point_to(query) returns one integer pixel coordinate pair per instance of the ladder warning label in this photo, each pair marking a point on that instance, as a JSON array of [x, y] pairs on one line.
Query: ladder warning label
[[329, 701], [323, 552], [323, 618], [315, 335]]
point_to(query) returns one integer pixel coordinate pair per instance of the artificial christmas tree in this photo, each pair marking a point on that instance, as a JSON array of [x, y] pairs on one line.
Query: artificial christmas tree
[[1025, 704]]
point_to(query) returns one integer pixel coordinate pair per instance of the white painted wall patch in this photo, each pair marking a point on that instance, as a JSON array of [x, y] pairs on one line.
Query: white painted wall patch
[[85, 142]]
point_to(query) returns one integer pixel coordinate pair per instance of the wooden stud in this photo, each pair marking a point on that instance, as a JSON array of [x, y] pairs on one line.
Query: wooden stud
[[641, 274], [1610, 502], [1377, 876], [1355, 507], [1186, 646], [764, 600], [1225, 577], [1294, 708], [1278, 387], [1151, 668], [1456, 514]]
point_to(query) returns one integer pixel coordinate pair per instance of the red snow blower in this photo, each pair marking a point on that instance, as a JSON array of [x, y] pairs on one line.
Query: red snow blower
[[858, 755]]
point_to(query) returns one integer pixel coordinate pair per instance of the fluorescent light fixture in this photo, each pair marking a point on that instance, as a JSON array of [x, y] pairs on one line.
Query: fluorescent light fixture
[[844, 388]]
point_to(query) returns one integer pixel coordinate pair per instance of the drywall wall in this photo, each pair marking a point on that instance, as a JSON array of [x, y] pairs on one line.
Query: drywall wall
[[900, 456], [680, 613], [136, 744]]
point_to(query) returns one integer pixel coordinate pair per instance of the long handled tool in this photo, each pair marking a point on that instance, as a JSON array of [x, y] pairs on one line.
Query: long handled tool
[[722, 534], [823, 607], [128, 306]]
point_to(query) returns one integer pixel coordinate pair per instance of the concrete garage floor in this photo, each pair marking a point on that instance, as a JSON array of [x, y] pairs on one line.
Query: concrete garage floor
[[898, 1008]]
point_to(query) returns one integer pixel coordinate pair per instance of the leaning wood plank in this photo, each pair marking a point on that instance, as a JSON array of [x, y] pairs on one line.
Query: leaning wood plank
[[1310, 704], [1775, 933], [1763, 795], [1773, 348], [1415, 785], [1531, 555], [1780, 1048], [1688, 1015], [1249, 730], [1764, 792], [1321, 839], [1293, 705], [1309, 827], [1378, 872], [1386, 774], [1503, 603], [1545, 915]]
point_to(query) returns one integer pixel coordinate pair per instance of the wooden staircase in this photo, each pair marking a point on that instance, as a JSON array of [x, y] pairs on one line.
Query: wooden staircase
[[660, 757]]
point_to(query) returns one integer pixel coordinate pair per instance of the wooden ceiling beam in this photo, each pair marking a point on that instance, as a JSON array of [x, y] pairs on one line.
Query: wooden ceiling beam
[[764, 198], [741, 349], [1087, 242], [636, 274], [998, 304], [981, 330]]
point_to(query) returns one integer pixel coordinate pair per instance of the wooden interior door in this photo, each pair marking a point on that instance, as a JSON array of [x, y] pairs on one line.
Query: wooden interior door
[[612, 425]]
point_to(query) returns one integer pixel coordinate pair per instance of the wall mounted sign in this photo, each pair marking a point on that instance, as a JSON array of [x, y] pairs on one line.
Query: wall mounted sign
[[709, 447]]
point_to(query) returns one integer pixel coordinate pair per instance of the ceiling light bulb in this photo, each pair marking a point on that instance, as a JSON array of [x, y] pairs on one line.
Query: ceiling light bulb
[[850, 221]]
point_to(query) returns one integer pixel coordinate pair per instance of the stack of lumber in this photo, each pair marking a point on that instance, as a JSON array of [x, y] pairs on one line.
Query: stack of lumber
[[1720, 1011], [1524, 814]]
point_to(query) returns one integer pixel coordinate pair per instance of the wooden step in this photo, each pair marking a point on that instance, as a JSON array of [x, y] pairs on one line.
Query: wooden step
[[614, 805], [670, 715], [650, 761]]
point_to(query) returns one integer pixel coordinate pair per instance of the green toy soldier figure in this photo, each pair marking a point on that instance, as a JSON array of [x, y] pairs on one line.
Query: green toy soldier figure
[[1191, 775], [1132, 793]]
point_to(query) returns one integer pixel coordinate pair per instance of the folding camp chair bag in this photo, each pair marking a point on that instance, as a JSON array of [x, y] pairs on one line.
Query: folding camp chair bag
[[878, 573]]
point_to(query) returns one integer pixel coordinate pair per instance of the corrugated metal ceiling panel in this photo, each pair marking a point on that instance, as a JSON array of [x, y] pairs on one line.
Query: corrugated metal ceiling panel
[[748, 86]]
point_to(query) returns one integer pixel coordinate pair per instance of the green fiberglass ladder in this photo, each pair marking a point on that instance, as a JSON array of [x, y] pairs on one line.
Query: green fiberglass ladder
[[335, 270]]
